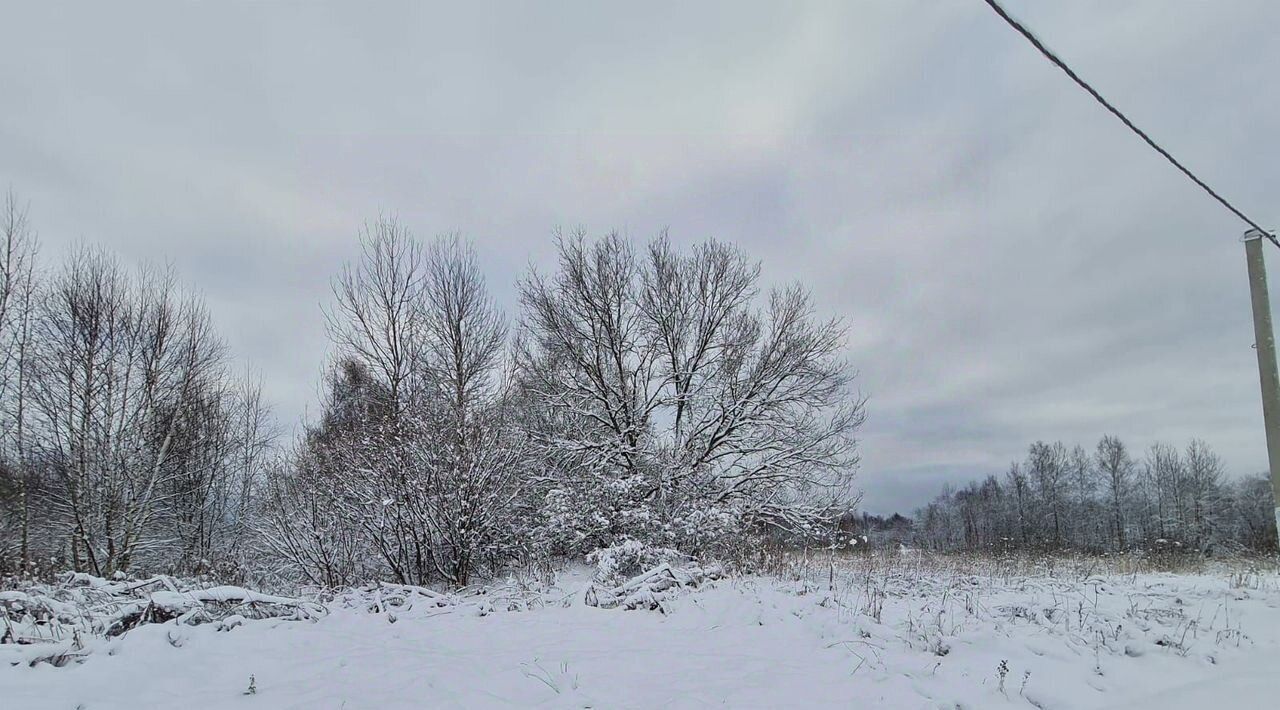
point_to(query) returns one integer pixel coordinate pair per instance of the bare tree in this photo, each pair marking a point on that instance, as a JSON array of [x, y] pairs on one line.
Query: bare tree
[[376, 326], [415, 451], [375, 317], [1083, 482], [1203, 505], [1046, 467], [17, 264], [17, 292], [119, 362], [1116, 469], [305, 532], [1016, 480], [467, 445], [588, 359], [118, 418], [220, 447], [1253, 512], [675, 388], [1162, 474]]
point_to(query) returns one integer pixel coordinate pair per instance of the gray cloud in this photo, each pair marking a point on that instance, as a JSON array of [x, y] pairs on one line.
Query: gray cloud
[[1013, 264]]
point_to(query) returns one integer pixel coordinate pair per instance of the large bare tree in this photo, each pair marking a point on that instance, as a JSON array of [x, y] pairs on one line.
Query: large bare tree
[[673, 385]]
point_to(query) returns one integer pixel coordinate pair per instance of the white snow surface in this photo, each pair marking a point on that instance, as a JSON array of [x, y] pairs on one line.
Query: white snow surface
[[902, 634]]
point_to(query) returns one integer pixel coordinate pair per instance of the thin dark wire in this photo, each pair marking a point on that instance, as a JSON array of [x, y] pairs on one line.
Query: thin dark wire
[[1124, 119]]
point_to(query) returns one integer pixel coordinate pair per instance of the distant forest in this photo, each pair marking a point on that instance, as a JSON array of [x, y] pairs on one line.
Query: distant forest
[[1099, 500]]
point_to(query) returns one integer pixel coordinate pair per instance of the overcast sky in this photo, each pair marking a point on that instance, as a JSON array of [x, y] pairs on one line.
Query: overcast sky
[[1013, 264]]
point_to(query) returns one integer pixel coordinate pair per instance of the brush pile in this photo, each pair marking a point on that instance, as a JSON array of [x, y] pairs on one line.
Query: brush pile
[[51, 621]]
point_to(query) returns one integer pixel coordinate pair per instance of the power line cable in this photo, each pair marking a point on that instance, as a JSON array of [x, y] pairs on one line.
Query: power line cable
[[1048, 54]]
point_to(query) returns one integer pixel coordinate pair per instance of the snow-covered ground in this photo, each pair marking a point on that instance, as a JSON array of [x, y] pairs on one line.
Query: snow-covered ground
[[897, 633]]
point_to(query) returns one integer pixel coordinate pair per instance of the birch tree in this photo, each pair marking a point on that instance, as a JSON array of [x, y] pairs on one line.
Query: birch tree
[[17, 293], [118, 361]]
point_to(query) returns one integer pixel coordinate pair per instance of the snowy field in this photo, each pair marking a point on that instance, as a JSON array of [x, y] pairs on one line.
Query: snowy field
[[864, 632]]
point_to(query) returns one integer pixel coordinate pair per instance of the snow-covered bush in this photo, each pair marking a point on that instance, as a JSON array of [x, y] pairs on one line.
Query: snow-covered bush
[[617, 563], [634, 575]]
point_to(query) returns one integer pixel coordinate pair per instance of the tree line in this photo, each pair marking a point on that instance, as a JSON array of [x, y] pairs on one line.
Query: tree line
[[1105, 500], [641, 392], [127, 435]]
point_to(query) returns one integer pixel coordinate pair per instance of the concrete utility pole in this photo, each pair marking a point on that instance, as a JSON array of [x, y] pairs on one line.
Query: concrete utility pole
[[1265, 344]]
